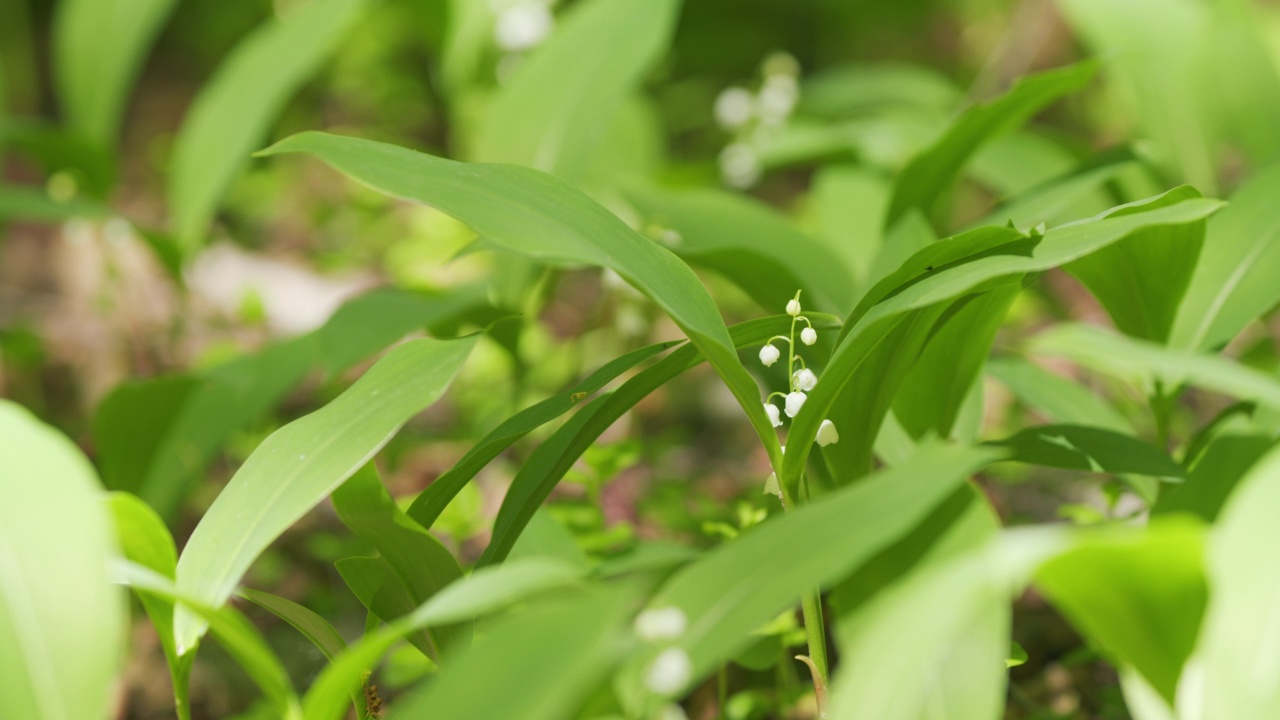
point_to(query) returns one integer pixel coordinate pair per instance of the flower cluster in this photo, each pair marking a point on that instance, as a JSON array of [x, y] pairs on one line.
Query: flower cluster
[[754, 119], [672, 669], [802, 380]]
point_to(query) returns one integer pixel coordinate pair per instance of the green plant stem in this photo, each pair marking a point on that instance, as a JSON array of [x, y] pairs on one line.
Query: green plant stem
[[815, 631]]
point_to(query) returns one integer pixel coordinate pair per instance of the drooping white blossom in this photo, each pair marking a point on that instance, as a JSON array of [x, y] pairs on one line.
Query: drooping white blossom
[[772, 411], [771, 486], [808, 336], [734, 108], [795, 401], [827, 433], [670, 672], [805, 379], [769, 355], [523, 25], [793, 307], [659, 624], [739, 165]]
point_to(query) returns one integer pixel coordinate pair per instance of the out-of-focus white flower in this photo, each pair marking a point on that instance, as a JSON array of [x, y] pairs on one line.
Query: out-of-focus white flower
[[772, 411], [805, 379], [808, 336], [734, 108], [670, 672], [795, 401], [778, 98], [739, 166], [781, 63], [793, 307], [827, 433], [769, 355], [657, 624], [523, 25], [771, 486]]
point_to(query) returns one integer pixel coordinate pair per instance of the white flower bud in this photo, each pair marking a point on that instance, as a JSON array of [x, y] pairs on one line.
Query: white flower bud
[[827, 434], [657, 624], [793, 307], [795, 401], [734, 107], [739, 165], [771, 486], [772, 411], [769, 355], [670, 672], [523, 26], [808, 336], [805, 379]]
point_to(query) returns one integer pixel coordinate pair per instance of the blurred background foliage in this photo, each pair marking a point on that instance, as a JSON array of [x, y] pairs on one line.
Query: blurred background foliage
[[169, 334]]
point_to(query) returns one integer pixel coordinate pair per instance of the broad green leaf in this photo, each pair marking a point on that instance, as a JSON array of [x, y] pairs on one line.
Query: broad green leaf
[[545, 661], [539, 475], [927, 178], [935, 388], [1156, 62], [298, 465], [1075, 195], [235, 109], [378, 588], [761, 251], [57, 149], [1091, 449], [21, 203], [233, 631], [1214, 476], [949, 269], [1138, 596], [1234, 280], [1057, 398], [534, 214], [1245, 82], [742, 584], [1237, 646], [554, 110], [545, 537], [62, 625], [483, 592], [146, 541], [1120, 356], [1141, 279], [301, 618], [854, 88], [432, 501], [415, 558], [849, 203], [1010, 165], [98, 49]]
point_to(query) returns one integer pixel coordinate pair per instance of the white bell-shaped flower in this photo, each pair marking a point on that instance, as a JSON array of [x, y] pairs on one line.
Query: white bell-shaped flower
[[772, 411], [808, 336], [795, 401], [523, 25], [827, 433], [769, 355], [793, 307], [805, 379], [670, 672], [658, 624], [771, 486], [734, 108]]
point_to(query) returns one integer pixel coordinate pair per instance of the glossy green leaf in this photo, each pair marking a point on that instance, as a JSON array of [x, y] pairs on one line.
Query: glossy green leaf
[[99, 47], [62, 625], [483, 592], [377, 586], [554, 110], [849, 203], [759, 250], [1075, 195], [235, 109], [742, 584], [1120, 356], [1138, 596], [927, 178], [298, 465], [415, 558], [1237, 648], [1214, 476], [545, 661], [233, 631], [1234, 280], [432, 501], [959, 265], [301, 618], [1056, 397], [534, 214], [1141, 279], [1091, 449], [539, 475]]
